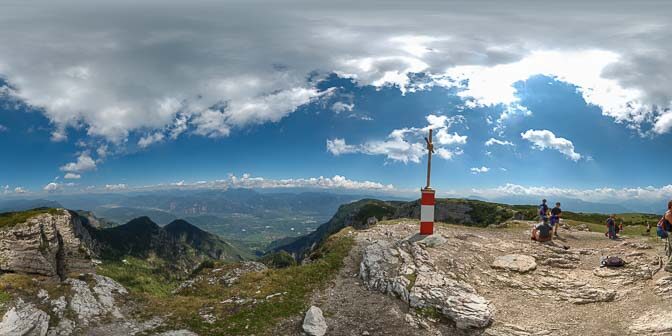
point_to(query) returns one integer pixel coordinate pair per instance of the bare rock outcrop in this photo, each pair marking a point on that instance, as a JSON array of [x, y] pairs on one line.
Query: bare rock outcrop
[[24, 319], [406, 270], [50, 244]]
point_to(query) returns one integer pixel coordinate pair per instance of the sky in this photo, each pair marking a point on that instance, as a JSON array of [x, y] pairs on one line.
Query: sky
[[569, 98]]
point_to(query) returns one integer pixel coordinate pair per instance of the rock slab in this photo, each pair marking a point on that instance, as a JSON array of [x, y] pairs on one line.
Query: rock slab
[[24, 320], [515, 262]]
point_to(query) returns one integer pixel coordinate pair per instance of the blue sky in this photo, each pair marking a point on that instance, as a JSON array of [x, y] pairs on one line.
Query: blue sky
[[308, 98]]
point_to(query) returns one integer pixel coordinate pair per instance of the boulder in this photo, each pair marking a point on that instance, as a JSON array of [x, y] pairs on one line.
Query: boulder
[[515, 262], [314, 323], [24, 319], [434, 240]]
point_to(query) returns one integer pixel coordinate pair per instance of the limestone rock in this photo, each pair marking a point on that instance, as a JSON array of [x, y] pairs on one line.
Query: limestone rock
[[181, 332], [24, 320], [48, 244], [314, 323], [655, 322], [86, 305], [434, 240], [515, 262], [664, 286], [408, 272]]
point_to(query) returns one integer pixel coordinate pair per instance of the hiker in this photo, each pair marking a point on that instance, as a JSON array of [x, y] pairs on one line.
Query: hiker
[[543, 210], [542, 231], [611, 227], [664, 227], [665, 223], [556, 212]]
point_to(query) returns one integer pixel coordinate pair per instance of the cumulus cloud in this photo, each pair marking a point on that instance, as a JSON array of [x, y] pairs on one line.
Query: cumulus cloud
[[20, 190], [170, 73], [542, 139], [335, 182], [338, 147], [52, 187], [258, 182], [84, 163], [493, 141], [605, 194], [72, 176], [116, 187], [479, 170], [407, 144]]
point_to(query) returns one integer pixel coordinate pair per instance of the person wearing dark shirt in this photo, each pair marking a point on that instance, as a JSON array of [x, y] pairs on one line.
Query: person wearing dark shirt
[[556, 213], [543, 210], [542, 231], [611, 227]]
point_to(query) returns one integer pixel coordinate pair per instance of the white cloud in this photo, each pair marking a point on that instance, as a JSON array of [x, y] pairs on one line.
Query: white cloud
[[481, 170], [111, 82], [72, 176], [407, 144], [335, 182], [605, 194], [338, 147], [3, 128], [493, 141], [149, 139], [84, 163], [339, 107], [116, 187], [52, 187], [20, 190], [542, 139]]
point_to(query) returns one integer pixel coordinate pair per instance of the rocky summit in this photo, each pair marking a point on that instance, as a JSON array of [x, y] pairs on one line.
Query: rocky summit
[[382, 278]]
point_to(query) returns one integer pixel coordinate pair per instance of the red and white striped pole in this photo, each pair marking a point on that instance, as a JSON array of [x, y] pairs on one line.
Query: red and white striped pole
[[427, 200], [427, 212]]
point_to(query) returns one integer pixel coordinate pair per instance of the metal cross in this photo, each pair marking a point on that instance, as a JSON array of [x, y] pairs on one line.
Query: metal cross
[[430, 150]]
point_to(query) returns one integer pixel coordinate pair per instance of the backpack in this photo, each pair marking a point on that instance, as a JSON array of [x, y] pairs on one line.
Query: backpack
[[661, 232], [611, 261]]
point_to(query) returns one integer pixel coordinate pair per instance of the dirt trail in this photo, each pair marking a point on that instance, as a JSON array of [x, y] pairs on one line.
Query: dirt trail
[[567, 293]]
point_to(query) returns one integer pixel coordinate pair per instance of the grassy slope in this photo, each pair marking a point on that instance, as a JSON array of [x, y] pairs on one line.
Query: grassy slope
[[151, 287]]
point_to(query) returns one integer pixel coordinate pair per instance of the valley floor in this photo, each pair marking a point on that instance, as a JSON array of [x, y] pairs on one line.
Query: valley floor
[[566, 294]]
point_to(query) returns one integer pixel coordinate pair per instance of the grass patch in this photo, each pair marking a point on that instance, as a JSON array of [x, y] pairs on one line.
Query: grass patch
[[411, 278], [10, 219], [430, 312], [258, 314], [149, 276]]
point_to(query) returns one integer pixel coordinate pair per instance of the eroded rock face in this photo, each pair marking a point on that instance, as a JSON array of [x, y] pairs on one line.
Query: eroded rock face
[[314, 323], [24, 320], [406, 270], [46, 244], [515, 262]]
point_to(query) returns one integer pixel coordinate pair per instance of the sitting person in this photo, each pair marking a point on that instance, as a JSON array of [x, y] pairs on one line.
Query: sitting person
[[542, 231]]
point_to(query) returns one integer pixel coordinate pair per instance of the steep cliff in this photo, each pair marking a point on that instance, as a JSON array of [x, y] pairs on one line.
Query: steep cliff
[[51, 242]]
